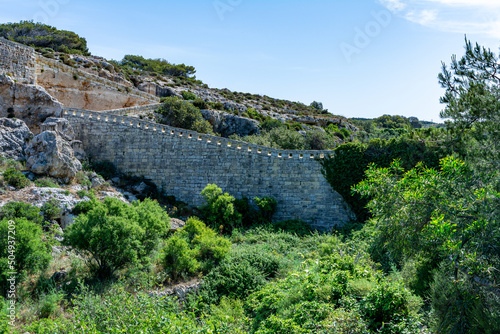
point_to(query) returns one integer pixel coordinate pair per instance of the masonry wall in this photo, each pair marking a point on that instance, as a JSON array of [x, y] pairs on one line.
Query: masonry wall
[[17, 61], [183, 162]]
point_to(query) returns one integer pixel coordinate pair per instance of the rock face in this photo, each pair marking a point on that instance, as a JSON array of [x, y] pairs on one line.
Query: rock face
[[31, 103], [49, 154], [61, 126], [227, 124], [155, 89], [14, 137]]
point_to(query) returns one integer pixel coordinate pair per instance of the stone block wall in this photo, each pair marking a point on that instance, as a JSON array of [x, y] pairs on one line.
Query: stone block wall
[[183, 162], [17, 61]]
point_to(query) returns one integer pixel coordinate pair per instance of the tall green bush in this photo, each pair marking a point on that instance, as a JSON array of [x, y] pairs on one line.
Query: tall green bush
[[22, 250], [219, 210]]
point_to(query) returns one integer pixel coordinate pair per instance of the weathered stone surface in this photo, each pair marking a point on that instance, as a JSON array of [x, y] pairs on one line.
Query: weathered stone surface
[[31, 103], [49, 154], [227, 124], [155, 89], [176, 224], [14, 137], [59, 125]]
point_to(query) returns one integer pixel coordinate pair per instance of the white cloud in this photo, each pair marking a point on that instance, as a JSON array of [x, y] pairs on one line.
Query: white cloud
[[461, 16]]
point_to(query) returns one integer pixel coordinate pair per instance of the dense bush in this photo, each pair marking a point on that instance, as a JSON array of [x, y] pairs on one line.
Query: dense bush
[[27, 255], [51, 209], [182, 114], [219, 210], [46, 182], [114, 234], [355, 158], [187, 95], [13, 210], [307, 299], [40, 36], [448, 216], [160, 66], [195, 248], [15, 178]]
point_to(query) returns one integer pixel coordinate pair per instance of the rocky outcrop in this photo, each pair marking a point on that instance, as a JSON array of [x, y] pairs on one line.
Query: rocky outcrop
[[227, 124], [49, 154], [14, 137], [61, 126], [31, 103], [155, 89]]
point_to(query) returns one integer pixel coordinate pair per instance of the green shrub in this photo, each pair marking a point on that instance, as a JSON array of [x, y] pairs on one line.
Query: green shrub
[[200, 104], [179, 259], [187, 95], [267, 207], [317, 140], [51, 209], [355, 158], [82, 179], [15, 178], [219, 209], [49, 304], [116, 235], [271, 124], [14, 210], [46, 182], [182, 114], [31, 253], [294, 226]]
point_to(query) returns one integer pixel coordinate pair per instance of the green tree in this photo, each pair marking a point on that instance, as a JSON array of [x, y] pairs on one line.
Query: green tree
[[472, 101], [448, 215], [114, 234]]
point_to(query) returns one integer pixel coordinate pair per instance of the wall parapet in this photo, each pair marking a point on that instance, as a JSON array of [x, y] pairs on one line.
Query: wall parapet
[[167, 130], [97, 79]]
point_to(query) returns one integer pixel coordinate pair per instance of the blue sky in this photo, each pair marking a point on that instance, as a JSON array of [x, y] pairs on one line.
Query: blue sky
[[360, 58]]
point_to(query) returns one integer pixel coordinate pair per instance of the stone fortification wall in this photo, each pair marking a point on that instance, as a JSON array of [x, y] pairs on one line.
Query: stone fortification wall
[[183, 162], [17, 61], [79, 89], [135, 110]]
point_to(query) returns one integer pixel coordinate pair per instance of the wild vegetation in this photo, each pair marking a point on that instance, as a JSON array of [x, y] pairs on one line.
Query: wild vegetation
[[43, 37], [422, 257]]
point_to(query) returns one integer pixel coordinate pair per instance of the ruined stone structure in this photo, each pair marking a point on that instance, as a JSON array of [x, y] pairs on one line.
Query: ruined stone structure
[[178, 161], [17, 61]]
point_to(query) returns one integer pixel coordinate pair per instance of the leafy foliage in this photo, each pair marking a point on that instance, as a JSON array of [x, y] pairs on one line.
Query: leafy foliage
[[15, 178], [355, 158], [160, 66], [219, 210], [182, 114], [30, 253], [116, 235], [449, 215], [195, 247], [14, 210], [41, 36]]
